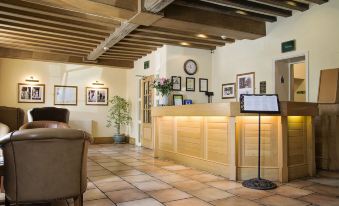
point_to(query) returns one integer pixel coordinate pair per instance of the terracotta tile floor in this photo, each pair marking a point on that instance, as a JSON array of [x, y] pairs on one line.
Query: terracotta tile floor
[[125, 175]]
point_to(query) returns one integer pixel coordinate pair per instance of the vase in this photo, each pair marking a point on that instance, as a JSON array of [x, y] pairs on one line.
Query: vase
[[163, 100]]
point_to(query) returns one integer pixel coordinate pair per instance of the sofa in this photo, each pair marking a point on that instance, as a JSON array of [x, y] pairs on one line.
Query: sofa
[[31, 177]]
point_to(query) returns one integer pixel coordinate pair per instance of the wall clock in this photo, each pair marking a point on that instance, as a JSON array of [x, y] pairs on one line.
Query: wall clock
[[190, 67]]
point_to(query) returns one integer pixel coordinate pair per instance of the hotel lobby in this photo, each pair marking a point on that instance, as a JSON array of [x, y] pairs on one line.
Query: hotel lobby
[[169, 102]]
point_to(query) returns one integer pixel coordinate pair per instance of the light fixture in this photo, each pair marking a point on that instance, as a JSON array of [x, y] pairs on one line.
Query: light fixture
[[31, 79], [241, 12], [106, 48], [184, 43], [223, 37], [201, 36], [97, 83], [291, 3]]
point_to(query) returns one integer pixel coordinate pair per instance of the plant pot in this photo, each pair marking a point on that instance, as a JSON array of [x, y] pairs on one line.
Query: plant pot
[[119, 139], [163, 100]]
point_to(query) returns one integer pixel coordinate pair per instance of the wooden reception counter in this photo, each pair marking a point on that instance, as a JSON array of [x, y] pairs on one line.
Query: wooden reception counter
[[219, 139]]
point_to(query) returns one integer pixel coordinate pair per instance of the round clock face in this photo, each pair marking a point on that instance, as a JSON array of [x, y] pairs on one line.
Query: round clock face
[[190, 67]]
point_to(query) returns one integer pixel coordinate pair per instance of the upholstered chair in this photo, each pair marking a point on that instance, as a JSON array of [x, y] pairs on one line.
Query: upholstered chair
[[49, 114], [44, 124], [12, 117], [45, 164]]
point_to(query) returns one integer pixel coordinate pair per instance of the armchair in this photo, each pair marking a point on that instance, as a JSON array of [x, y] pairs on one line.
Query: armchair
[[44, 124], [29, 175], [12, 117], [49, 114]]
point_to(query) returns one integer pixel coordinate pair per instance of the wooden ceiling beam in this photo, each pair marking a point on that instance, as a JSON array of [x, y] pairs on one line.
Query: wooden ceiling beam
[[89, 7], [52, 37], [252, 6], [44, 40], [290, 4], [223, 9], [174, 38], [170, 42], [178, 33], [210, 23], [55, 20], [61, 58], [122, 51], [41, 24], [317, 1], [118, 57], [132, 44], [122, 55], [128, 48], [41, 30], [60, 13]]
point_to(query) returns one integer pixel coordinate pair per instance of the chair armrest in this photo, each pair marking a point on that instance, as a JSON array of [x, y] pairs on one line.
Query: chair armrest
[[4, 129]]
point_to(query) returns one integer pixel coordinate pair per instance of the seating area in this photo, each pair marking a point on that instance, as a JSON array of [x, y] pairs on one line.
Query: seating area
[[169, 102]]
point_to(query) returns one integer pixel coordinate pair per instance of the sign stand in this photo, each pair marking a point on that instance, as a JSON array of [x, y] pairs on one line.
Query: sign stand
[[259, 183]]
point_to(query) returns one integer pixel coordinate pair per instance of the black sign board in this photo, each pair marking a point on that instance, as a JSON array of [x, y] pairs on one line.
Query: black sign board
[[288, 46]]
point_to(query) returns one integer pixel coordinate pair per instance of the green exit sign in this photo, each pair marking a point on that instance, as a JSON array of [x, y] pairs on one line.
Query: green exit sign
[[288, 46]]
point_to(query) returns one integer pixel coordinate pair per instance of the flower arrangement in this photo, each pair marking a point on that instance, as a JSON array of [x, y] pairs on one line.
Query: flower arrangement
[[163, 86]]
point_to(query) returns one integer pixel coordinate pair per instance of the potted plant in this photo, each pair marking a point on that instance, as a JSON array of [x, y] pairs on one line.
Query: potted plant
[[163, 86], [118, 115]]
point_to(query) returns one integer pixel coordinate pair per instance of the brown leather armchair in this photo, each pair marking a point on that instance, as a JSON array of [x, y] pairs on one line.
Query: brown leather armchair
[[44, 124], [45, 164], [49, 114], [12, 117]]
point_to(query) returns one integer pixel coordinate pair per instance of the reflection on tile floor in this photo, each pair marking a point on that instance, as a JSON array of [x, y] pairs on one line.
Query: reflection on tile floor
[[125, 175]]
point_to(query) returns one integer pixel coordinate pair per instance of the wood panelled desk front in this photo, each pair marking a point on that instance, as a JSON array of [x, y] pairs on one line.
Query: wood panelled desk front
[[219, 139]]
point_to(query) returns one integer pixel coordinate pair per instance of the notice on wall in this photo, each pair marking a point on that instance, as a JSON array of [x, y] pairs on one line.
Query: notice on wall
[[257, 103]]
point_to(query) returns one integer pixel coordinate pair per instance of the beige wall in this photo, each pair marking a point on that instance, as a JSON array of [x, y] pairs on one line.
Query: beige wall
[[14, 71], [316, 32]]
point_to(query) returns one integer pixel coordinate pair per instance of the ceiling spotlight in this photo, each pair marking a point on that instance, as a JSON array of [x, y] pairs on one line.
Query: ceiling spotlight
[[184, 43], [106, 48], [223, 37], [241, 12], [291, 3], [201, 36]]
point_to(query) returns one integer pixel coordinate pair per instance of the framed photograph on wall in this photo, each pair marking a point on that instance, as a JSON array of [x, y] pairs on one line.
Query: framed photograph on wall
[[228, 91], [245, 84], [96, 96], [31, 93], [65, 95], [177, 99], [203, 85], [190, 84], [176, 80]]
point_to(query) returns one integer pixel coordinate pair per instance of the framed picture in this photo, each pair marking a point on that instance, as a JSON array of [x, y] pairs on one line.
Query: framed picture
[[228, 91], [176, 80], [203, 85], [65, 95], [96, 96], [190, 84], [245, 83], [177, 99], [31, 93]]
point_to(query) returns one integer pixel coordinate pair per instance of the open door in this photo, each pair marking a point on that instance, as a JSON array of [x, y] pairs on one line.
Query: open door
[[146, 105]]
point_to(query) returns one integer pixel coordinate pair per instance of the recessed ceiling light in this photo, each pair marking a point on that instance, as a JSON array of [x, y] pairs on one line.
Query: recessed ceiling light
[[106, 48], [291, 3], [223, 37], [241, 12], [184, 43], [201, 36]]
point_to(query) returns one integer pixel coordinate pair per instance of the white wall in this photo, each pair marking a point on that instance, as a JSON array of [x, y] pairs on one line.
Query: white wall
[[13, 71], [316, 31]]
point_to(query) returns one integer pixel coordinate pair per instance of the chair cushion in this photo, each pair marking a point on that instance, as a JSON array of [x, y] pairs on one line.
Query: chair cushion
[[44, 124]]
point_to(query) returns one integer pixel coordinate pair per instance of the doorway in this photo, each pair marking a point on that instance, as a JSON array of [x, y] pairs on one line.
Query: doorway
[[146, 117], [291, 78]]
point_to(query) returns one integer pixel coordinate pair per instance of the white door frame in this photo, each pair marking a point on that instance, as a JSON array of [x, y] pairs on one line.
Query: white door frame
[[294, 55]]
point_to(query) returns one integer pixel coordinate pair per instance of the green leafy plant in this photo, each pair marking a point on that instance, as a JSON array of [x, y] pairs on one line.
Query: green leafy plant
[[163, 86], [118, 113]]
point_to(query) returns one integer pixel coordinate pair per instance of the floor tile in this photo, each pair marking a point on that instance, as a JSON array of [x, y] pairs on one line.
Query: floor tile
[[206, 178], [96, 173], [172, 178], [210, 194], [112, 186], [143, 202], [189, 172], [90, 185], [151, 185], [125, 173], [175, 167], [119, 168], [321, 200], [326, 181], [323, 189], [105, 178], [224, 184], [138, 178], [93, 194], [101, 202], [111, 164], [234, 201], [126, 195], [278, 200], [300, 183], [189, 185], [188, 202], [94, 168], [249, 194], [291, 192], [135, 163], [169, 195]]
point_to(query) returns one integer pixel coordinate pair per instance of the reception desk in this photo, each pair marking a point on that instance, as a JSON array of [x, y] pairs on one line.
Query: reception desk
[[219, 139]]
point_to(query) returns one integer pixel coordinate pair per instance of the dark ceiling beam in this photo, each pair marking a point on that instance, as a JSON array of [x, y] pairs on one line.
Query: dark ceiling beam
[[210, 23], [290, 4], [317, 1], [252, 6], [121, 51], [222, 9]]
